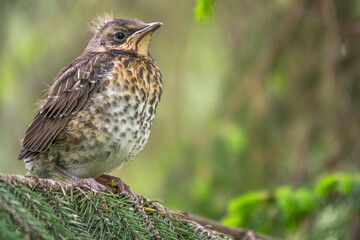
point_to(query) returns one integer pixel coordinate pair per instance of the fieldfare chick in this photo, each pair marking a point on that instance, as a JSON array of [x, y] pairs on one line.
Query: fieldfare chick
[[99, 111]]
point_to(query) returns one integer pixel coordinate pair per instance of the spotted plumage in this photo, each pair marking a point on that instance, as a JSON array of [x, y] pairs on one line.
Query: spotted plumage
[[100, 109]]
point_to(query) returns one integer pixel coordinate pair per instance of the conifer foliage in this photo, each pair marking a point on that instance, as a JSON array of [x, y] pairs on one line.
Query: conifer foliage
[[33, 208]]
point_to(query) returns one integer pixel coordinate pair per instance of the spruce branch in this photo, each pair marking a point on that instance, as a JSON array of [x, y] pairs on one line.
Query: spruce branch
[[35, 208]]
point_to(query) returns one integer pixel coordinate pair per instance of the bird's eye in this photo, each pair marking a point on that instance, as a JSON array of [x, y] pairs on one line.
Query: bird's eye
[[120, 35]]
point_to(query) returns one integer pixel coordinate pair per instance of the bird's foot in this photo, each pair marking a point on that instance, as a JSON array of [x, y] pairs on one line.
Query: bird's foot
[[92, 183], [118, 183]]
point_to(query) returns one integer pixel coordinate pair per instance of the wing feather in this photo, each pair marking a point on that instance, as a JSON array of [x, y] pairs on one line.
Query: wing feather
[[73, 86]]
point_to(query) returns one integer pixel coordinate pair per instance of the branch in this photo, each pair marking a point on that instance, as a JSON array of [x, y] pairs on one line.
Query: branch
[[35, 208], [237, 233]]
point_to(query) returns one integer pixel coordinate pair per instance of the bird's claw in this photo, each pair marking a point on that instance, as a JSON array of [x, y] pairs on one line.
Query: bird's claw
[[125, 189]]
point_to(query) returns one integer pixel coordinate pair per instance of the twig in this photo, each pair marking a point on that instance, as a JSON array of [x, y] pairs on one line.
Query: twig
[[237, 233]]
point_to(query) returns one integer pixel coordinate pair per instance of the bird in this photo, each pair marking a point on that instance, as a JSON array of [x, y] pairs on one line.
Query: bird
[[99, 111]]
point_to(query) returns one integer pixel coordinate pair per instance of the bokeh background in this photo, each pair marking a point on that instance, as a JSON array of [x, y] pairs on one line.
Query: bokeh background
[[258, 94]]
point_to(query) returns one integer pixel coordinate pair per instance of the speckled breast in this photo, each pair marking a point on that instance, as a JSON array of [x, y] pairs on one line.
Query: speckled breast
[[116, 123]]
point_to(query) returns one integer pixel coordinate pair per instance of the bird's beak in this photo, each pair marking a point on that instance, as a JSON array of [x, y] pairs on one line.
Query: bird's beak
[[149, 28], [141, 38]]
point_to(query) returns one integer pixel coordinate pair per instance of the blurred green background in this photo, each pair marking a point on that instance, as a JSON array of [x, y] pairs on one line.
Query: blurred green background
[[257, 95]]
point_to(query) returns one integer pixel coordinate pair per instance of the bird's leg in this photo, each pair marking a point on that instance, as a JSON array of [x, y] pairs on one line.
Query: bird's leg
[[119, 183], [91, 182]]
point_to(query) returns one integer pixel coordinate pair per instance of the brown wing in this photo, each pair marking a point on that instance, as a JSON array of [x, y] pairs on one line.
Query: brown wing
[[72, 88]]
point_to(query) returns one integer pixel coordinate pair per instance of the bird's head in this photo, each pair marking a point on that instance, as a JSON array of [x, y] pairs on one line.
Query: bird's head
[[121, 34]]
